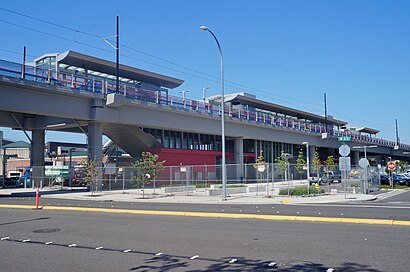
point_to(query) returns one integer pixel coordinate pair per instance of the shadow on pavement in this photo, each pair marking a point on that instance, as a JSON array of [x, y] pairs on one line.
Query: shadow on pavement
[[169, 263]]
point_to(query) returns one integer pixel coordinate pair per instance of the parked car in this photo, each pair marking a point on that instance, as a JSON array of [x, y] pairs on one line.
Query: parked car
[[404, 179], [399, 179], [314, 180], [332, 176], [384, 179]]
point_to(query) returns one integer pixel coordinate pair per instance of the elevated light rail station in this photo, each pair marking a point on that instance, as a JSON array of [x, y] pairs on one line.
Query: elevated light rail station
[[73, 92]]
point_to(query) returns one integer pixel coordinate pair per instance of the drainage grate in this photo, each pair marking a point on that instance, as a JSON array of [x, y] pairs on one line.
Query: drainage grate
[[46, 230]]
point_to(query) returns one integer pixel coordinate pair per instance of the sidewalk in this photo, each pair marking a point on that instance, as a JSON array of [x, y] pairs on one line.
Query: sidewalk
[[136, 196]]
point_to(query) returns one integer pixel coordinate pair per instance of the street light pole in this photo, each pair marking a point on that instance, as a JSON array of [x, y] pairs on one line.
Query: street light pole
[[223, 112], [204, 93], [308, 163]]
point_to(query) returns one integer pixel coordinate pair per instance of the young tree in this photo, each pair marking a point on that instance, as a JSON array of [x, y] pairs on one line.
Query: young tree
[[402, 165], [300, 163], [330, 162], [91, 173], [148, 168], [317, 163], [282, 162]]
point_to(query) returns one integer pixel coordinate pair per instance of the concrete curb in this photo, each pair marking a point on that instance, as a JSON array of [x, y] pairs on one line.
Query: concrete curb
[[370, 221]]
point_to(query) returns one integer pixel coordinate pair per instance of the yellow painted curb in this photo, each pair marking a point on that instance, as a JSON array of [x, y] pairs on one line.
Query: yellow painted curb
[[220, 215], [401, 223], [318, 219], [287, 201], [367, 221]]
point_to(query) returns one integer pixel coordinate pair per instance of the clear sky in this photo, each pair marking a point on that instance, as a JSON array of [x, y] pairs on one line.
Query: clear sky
[[287, 52]]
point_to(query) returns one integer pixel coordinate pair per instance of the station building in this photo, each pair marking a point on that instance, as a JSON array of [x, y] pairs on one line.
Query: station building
[[141, 115]]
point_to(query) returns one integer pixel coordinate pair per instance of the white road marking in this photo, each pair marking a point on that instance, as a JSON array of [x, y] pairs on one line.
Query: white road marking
[[98, 248], [222, 210], [48, 243], [271, 264], [127, 250], [159, 254], [194, 257], [319, 213], [233, 260], [5, 238], [240, 210], [25, 241], [72, 245], [330, 270]]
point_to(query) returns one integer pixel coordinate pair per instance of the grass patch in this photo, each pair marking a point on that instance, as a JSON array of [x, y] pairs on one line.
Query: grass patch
[[301, 191], [395, 187]]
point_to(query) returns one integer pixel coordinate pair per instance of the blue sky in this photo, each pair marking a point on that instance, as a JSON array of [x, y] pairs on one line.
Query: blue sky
[[286, 52]]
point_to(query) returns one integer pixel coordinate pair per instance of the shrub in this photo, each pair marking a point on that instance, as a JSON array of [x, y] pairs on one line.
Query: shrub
[[395, 187], [301, 191]]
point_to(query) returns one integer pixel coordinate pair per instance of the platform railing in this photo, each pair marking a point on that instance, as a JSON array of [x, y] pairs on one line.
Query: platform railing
[[250, 114]]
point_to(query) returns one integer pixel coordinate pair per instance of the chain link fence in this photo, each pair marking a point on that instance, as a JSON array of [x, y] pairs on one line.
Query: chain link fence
[[205, 180]]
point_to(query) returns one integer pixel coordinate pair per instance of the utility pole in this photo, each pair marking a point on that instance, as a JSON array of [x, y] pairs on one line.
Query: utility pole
[[324, 97], [397, 134], [117, 50]]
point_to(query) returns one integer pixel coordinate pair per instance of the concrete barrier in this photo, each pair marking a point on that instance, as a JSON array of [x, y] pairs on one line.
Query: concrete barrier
[[178, 189]]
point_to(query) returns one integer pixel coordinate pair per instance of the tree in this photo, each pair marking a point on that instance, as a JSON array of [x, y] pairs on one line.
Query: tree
[[402, 165], [330, 162], [282, 162], [300, 163], [148, 168], [91, 173], [317, 163]]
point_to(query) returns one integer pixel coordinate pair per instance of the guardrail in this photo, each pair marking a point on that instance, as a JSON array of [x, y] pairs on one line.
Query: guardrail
[[250, 114]]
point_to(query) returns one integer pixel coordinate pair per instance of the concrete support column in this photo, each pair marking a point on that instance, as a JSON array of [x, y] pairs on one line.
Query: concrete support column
[[312, 150], [95, 148], [355, 157], [37, 157], [238, 146]]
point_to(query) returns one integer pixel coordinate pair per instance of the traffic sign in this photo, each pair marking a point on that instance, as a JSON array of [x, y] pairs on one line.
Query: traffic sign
[[344, 164], [344, 150], [363, 163], [344, 139], [391, 166], [56, 171]]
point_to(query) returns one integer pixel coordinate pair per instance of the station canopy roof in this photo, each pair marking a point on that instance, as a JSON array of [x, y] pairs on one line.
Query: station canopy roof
[[263, 105], [368, 130], [72, 58]]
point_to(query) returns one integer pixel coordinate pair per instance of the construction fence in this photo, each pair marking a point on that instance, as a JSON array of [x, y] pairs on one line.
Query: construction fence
[[245, 179]]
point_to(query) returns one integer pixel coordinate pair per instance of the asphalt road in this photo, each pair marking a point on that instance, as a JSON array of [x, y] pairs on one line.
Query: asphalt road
[[250, 245], [396, 207]]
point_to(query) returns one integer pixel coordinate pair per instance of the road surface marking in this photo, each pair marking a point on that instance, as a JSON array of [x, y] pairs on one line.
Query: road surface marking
[[330, 270], [98, 248], [271, 264], [233, 260], [159, 254], [48, 243], [127, 250], [72, 245], [194, 257], [222, 215], [5, 238], [25, 241]]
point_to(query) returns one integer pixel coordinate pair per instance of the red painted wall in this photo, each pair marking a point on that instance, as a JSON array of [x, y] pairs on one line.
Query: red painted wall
[[175, 157]]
